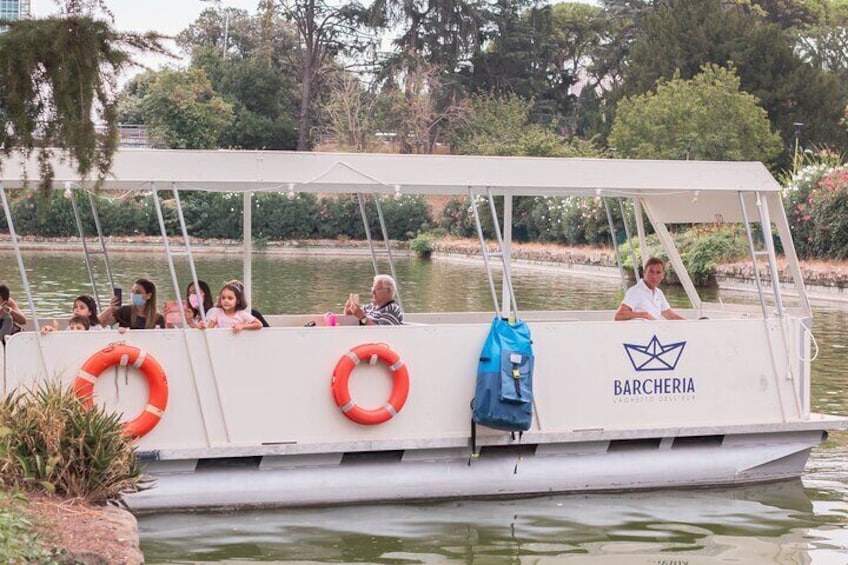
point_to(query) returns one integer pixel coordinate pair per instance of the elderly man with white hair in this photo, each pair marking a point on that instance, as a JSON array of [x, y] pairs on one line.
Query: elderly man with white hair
[[383, 310]]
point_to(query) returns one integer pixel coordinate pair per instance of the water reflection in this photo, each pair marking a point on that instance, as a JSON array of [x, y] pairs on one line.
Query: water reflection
[[764, 524]]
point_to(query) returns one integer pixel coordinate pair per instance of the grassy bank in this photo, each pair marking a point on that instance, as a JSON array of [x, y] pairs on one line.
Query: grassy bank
[[20, 541], [60, 464]]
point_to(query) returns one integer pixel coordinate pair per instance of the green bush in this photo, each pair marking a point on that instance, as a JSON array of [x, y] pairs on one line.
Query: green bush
[[52, 443], [18, 541], [702, 249], [422, 246]]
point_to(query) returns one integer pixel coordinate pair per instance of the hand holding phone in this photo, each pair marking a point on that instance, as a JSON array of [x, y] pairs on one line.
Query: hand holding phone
[[117, 297]]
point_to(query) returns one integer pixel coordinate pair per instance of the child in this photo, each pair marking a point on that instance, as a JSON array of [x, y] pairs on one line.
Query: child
[[230, 310], [79, 323], [84, 307]]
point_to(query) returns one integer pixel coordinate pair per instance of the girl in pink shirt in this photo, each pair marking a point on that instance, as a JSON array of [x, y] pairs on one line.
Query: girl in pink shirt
[[230, 311]]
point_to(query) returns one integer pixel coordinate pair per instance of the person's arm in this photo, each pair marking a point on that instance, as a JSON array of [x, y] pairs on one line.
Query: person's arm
[[670, 314], [211, 318], [108, 315], [17, 316], [250, 323], [625, 312]]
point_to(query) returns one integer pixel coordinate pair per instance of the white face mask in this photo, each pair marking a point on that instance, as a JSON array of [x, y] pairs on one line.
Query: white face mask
[[138, 300]]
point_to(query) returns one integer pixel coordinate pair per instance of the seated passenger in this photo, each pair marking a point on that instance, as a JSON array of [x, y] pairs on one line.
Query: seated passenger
[[253, 311], [141, 315], [8, 307], [230, 311], [383, 310], [645, 300], [84, 307], [194, 314], [79, 323]]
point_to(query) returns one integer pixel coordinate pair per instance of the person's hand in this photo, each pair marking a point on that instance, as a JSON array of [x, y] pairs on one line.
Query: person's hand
[[348, 307], [114, 304], [237, 328], [122, 330]]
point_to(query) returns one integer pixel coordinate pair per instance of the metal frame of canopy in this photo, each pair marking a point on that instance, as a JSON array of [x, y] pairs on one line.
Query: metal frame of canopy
[[667, 191]]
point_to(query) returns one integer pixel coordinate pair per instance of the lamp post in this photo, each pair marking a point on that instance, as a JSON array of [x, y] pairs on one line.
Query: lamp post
[[219, 6], [799, 128]]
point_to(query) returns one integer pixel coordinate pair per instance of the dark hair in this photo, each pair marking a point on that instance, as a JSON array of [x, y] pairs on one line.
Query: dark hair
[[654, 261], [151, 314], [92, 308], [237, 288], [207, 298], [81, 320], [4, 291]]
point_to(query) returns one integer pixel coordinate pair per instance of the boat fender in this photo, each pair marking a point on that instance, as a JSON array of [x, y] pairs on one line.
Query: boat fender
[[127, 355], [372, 352]]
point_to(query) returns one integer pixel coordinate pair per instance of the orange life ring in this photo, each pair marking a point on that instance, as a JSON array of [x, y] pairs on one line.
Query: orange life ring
[[127, 355], [371, 352]]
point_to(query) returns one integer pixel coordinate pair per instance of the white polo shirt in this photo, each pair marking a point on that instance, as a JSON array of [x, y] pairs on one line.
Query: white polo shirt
[[640, 298]]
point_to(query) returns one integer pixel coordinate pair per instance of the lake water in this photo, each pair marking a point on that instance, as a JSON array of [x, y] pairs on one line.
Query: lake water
[[799, 522]]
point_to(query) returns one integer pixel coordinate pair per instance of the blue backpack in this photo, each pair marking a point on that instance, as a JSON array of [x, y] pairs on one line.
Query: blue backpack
[[504, 396]]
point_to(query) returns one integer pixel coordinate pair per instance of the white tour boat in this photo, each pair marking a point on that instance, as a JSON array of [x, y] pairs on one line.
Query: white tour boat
[[251, 419]]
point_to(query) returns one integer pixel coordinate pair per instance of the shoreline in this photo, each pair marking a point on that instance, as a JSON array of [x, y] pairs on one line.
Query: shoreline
[[826, 281]]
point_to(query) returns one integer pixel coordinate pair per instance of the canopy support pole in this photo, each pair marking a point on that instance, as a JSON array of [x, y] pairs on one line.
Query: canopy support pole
[[618, 262], [24, 280], [506, 249], [640, 231], [629, 236], [247, 266], [675, 260]]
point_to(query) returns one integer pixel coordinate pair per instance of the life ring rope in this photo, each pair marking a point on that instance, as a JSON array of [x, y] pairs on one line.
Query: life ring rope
[[373, 353], [120, 354]]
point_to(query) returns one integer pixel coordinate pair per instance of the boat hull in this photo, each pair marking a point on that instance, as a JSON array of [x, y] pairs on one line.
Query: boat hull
[[498, 471]]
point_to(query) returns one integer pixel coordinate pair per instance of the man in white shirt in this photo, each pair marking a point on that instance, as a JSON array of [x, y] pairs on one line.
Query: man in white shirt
[[645, 300]]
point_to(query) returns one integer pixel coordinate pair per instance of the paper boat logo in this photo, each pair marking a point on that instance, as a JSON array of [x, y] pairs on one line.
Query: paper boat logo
[[655, 356]]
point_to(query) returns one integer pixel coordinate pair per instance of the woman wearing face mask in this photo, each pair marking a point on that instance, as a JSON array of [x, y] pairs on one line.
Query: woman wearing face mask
[[141, 315], [193, 314]]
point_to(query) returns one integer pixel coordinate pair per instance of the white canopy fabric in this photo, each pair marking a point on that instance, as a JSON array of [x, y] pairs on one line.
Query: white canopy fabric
[[239, 171], [680, 191]]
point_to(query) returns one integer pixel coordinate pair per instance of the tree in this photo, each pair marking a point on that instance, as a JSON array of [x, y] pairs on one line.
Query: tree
[[707, 117], [679, 36], [440, 33], [501, 125], [57, 83], [824, 43], [183, 111], [420, 115], [349, 113], [256, 75], [324, 30]]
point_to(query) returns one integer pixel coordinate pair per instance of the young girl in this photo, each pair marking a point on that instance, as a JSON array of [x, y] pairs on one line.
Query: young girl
[[84, 307], [230, 310]]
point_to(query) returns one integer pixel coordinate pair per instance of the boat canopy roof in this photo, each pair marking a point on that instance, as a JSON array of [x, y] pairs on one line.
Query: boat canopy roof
[[681, 191]]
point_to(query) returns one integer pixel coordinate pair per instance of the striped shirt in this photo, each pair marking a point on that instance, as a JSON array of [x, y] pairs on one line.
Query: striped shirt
[[389, 314]]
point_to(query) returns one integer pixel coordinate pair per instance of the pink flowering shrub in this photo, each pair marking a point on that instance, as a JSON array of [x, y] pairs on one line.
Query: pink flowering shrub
[[828, 213]]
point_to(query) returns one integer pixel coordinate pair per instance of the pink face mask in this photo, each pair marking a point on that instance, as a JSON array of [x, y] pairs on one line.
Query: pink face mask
[[192, 299]]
